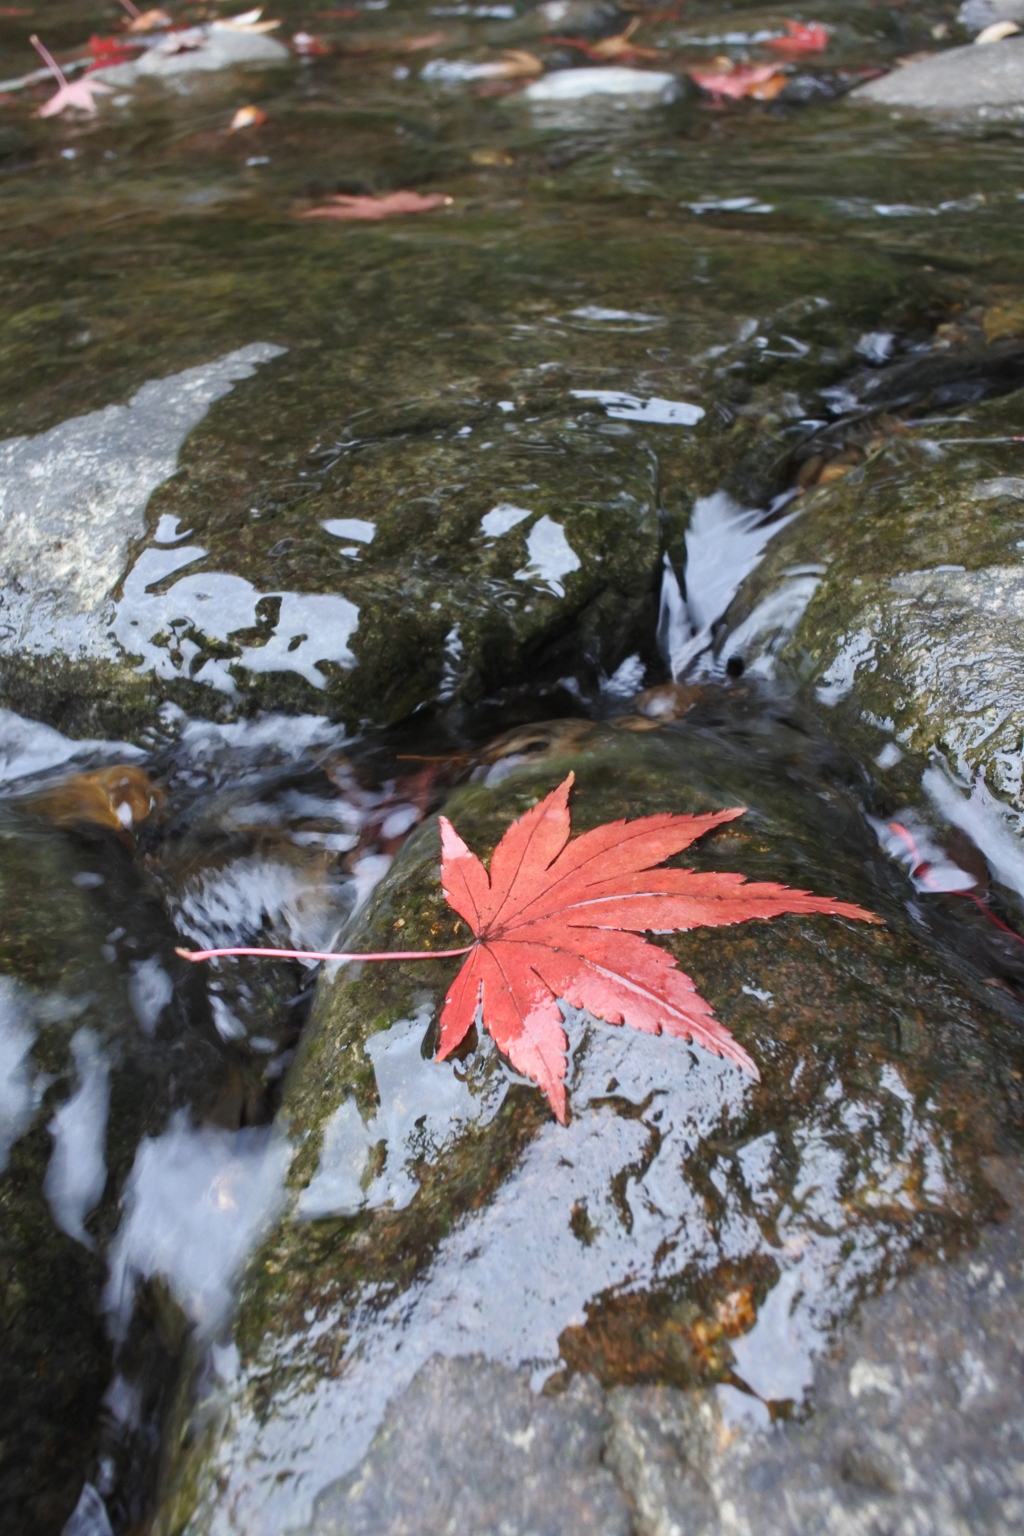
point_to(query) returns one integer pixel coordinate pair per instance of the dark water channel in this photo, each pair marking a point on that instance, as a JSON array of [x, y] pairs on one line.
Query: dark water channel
[[679, 447]]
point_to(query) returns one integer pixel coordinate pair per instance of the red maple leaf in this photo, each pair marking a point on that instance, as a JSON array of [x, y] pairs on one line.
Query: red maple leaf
[[559, 919]]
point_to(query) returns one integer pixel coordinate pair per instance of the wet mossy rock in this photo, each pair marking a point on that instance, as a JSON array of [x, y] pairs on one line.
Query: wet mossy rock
[[917, 620], [60, 986], [642, 1242]]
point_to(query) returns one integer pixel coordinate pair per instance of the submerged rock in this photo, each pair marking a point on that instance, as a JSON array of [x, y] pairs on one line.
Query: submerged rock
[[898, 593], [975, 80], [88, 1063], [218, 46], [433, 560], [918, 1420], [468, 1447], [686, 1227], [644, 85]]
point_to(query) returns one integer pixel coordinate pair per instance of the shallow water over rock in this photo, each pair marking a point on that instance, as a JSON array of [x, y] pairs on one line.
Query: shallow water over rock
[[676, 441]]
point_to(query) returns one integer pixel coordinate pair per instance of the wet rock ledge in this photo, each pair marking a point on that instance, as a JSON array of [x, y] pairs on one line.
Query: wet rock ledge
[[918, 1427], [470, 1317]]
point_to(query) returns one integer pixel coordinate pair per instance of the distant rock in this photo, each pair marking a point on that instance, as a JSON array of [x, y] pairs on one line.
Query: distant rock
[[646, 85], [960, 80], [200, 48], [976, 15]]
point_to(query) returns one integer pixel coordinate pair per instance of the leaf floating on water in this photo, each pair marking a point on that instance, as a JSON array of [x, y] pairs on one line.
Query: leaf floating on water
[[812, 38], [762, 82], [605, 48], [147, 21], [247, 117], [79, 96], [115, 798], [388, 206], [559, 919]]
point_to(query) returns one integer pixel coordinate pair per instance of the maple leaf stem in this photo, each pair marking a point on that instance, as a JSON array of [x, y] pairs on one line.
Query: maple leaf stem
[[312, 954], [49, 60]]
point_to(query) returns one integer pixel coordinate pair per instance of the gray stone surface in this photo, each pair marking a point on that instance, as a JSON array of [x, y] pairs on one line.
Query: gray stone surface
[[959, 80], [918, 1427], [72, 501], [976, 15], [917, 1430], [469, 1450], [199, 49]]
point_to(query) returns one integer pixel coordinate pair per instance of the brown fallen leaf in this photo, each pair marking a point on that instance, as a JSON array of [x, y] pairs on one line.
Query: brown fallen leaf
[[618, 47], [248, 21], [389, 205], [115, 798], [148, 21], [544, 738], [516, 65], [247, 117]]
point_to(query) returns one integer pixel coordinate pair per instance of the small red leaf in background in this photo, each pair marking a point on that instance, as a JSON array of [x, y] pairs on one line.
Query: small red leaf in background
[[388, 206], [110, 50], [761, 81], [559, 919], [801, 39]]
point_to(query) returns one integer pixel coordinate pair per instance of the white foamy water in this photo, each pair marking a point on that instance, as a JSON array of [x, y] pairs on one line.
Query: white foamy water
[[724, 543], [27, 748], [286, 736], [150, 989], [77, 1171], [195, 1205], [989, 823], [18, 1099], [234, 904]]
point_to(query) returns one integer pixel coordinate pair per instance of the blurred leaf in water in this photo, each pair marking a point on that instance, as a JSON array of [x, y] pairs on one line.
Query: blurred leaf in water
[[115, 798], [80, 95], [762, 82], [617, 47], [387, 206], [248, 21], [812, 38], [145, 21], [247, 117]]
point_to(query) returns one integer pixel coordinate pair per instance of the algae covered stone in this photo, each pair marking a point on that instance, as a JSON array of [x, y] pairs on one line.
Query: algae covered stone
[[438, 1209], [898, 593]]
